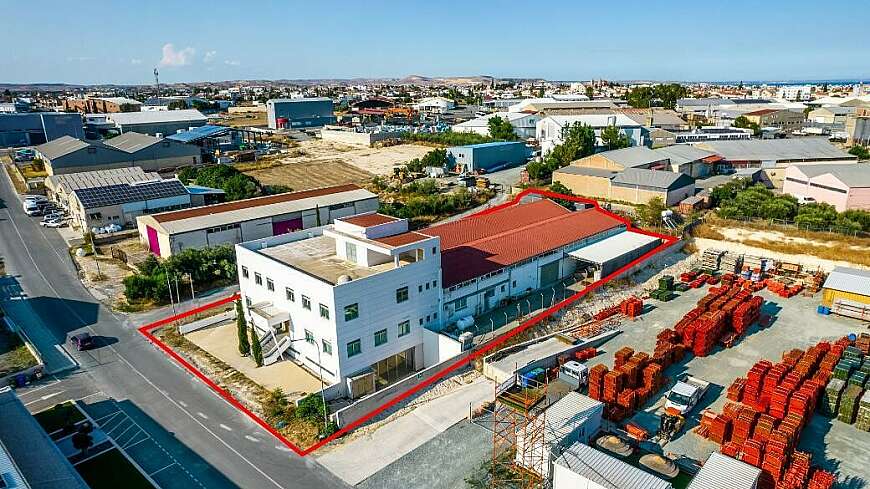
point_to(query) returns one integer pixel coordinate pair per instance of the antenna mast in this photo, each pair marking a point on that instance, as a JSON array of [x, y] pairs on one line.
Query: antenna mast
[[157, 82]]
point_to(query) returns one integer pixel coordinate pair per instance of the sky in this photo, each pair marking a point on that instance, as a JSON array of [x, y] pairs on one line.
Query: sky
[[93, 42]]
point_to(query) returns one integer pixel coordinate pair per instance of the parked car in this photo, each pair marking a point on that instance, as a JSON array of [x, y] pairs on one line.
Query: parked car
[[54, 223], [35, 198], [32, 209], [52, 216], [82, 341]]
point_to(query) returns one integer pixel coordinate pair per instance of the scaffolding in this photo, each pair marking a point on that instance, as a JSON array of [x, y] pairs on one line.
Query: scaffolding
[[520, 457]]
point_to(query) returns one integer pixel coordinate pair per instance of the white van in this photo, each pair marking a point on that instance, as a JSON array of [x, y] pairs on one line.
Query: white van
[[574, 373]]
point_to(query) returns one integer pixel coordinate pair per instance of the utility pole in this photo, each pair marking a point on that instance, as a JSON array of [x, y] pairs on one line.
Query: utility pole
[[169, 286], [157, 82]]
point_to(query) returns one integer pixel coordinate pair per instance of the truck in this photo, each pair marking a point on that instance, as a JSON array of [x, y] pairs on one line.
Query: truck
[[685, 394]]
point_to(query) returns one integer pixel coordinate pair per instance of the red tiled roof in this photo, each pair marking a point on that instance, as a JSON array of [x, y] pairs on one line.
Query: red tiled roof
[[475, 246], [248, 203], [762, 112], [401, 239], [367, 220]]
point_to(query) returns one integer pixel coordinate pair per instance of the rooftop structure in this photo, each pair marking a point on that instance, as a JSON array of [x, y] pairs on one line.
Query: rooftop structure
[[299, 112], [778, 152], [722, 472], [579, 465], [154, 122]]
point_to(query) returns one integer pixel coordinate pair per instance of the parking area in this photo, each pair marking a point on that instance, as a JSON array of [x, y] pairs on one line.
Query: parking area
[[795, 324], [138, 444]]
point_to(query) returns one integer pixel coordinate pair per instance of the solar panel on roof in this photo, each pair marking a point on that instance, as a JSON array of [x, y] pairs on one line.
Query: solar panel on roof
[[123, 193]]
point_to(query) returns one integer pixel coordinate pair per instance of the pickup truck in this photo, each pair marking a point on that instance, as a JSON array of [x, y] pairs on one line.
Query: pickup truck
[[686, 393]]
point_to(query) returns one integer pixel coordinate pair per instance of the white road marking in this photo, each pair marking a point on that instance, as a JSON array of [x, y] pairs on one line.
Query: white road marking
[[251, 438], [225, 427], [182, 403], [45, 397], [283, 448], [201, 415], [130, 365], [161, 470]]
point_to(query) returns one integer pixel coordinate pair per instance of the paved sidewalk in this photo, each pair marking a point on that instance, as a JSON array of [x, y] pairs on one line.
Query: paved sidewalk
[[399, 437]]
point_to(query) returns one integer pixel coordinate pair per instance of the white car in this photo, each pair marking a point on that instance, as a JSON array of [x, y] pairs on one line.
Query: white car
[[54, 223], [52, 216]]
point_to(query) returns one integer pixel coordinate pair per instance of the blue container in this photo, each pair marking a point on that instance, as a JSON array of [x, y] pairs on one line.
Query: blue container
[[824, 310]]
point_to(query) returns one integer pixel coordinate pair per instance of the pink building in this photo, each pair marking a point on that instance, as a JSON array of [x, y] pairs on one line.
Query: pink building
[[844, 186]]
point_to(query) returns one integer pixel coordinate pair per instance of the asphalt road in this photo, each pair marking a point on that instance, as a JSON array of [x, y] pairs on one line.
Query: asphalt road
[[217, 446]]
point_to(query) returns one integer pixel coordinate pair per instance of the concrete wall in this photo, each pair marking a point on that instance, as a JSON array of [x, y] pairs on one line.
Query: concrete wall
[[584, 185], [356, 138], [637, 195]]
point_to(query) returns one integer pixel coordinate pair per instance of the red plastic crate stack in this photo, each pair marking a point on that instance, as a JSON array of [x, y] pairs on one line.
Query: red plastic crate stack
[[746, 314], [606, 313], [621, 356], [779, 402], [631, 307], [596, 382], [735, 390], [613, 382], [716, 426], [708, 332], [821, 480], [585, 354], [627, 399], [687, 277], [742, 426], [798, 473], [751, 453], [763, 427]]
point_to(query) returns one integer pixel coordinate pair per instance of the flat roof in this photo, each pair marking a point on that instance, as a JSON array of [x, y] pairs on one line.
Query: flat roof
[[369, 219], [477, 245], [613, 247], [586, 171], [203, 217], [316, 256], [849, 280], [200, 132], [156, 116], [776, 149], [34, 454], [632, 157]]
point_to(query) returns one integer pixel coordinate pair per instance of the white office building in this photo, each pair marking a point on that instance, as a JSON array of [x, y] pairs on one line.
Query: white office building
[[549, 130], [523, 124]]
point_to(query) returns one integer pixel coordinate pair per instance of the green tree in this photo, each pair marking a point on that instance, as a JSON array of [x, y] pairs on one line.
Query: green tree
[[650, 214], [743, 123], [501, 129], [590, 92], [242, 330], [311, 407], [860, 151], [177, 104], [613, 138], [559, 188], [665, 95], [256, 347]]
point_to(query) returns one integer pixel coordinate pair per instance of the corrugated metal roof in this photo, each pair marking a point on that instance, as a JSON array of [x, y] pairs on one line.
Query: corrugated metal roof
[[61, 146], [587, 171], [594, 120], [607, 471], [721, 472], [776, 149], [851, 174], [123, 193], [849, 280], [568, 414], [156, 116], [131, 142], [198, 133], [683, 153], [99, 178], [665, 180], [613, 247], [632, 157]]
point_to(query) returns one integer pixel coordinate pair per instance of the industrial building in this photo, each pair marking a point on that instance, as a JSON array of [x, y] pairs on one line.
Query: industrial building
[[437, 105], [70, 155], [299, 113], [487, 157], [157, 123], [122, 203], [29, 458], [59, 188], [34, 128], [635, 185], [580, 466], [846, 186], [693, 161], [846, 291], [250, 219], [549, 130], [723, 472], [774, 155], [783, 119], [858, 126], [523, 124], [370, 297]]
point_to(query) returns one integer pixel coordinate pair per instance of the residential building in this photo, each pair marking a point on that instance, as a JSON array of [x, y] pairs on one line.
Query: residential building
[[29, 458], [250, 219], [487, 157], [795, 93], [122, 203], [101, 105], [299, 113], [372, 298], [550, 129], [774, 155], [29, 129], [71, 155], [437, 105], [523, 124], [552, 106], [846, 186], [157, 123], [783, 119]]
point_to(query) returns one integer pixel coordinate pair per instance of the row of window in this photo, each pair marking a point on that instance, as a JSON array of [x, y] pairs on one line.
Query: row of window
[[288, 292], [381, 337], [817, 185], [225, 227]]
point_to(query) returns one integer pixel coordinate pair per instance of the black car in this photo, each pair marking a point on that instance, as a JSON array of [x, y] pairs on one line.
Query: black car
[[82, 341]]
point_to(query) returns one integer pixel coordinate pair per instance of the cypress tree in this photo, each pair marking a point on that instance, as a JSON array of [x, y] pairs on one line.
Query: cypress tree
[[256, 348], [242, 330]]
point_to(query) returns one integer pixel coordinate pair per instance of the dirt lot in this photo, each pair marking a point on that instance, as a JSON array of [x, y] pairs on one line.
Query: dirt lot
[[316, 163]]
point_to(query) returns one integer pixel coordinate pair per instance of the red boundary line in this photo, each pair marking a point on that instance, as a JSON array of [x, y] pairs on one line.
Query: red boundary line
[[148, 328]]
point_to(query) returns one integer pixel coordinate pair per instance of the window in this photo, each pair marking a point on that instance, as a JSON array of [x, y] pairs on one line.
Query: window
[[247, 301], [258, 279], [433, 250], [405, 328], [421, 321], [270, 285], [288, 292], [419, 288], [401, 295], [324, 312], [96, 215], [428, 318], [245, 272], [427, 285], [354, 348], [309, 337], [380, 337], [306, 302], [461, 303], [434, 284], [351, 312], [435, 315], [327, 347], [350, 251]]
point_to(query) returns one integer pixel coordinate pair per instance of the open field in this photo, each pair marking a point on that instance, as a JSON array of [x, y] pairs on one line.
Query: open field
[[317, 163], [245, 120]]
